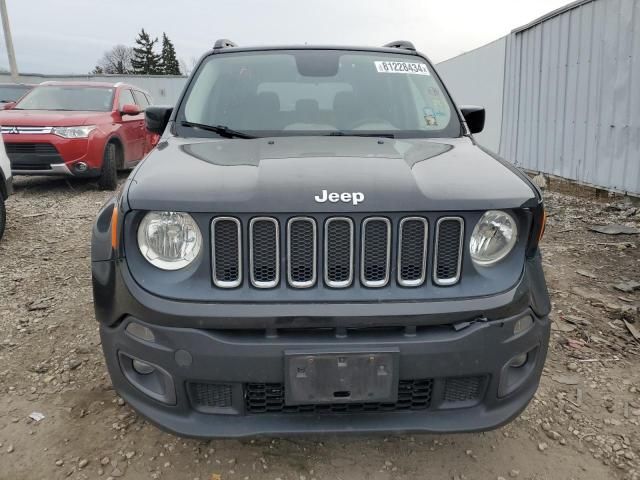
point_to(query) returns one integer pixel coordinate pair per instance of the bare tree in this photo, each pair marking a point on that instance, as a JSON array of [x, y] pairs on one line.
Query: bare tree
[[187, 66], [183, 67], [117, 60]]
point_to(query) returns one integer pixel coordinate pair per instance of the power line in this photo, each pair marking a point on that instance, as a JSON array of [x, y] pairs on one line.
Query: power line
[[8, 41]]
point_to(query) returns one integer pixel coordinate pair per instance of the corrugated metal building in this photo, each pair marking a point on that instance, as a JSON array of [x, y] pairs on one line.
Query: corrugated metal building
[[165, 89], [570, 104]]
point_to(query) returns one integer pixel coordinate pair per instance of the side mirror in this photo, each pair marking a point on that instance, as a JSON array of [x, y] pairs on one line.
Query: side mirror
[[129, 109], [156, 118], [474, 116], [8, 105]]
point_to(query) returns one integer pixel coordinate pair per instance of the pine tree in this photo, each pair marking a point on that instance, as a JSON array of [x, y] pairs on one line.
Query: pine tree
[[145, 61], [169, 62]]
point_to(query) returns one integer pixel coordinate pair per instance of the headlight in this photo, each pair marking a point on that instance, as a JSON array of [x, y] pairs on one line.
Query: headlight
[[169, 240], [493, 237], [73, 132]]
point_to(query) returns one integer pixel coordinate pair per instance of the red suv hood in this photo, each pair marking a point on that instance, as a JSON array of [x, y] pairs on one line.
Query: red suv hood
[[45, 118]]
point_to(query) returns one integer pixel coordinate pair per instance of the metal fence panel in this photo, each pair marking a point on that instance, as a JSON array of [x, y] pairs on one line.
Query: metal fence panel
[[572, 95]]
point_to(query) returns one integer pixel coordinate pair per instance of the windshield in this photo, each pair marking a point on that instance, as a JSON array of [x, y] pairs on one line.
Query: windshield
[[306, 92], [91, 99], [11, 93]]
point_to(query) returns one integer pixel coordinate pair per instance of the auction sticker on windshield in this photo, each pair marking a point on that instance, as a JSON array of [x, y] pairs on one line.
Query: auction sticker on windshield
[[402, 67]]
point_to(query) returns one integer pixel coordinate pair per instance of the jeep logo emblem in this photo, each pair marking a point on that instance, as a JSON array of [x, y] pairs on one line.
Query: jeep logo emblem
[[355, 198]]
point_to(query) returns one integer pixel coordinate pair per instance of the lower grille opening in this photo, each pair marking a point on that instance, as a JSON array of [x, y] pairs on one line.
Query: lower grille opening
[[32, 156], [34, 148], [266, 398], [30, 166], [211, 395], [463, 389], [261, 398]]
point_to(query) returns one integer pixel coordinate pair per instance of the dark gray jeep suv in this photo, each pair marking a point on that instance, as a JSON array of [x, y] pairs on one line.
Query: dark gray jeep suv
[[318, 244]]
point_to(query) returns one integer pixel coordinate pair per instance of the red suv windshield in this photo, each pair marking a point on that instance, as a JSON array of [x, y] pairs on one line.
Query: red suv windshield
[[88, 99]]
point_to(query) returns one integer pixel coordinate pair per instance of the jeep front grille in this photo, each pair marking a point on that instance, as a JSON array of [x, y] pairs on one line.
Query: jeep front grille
[[302, 252], [226, 235], [264, 252], [334, 251], [338, 252], [376, 251], [412, 251], [448, 250]]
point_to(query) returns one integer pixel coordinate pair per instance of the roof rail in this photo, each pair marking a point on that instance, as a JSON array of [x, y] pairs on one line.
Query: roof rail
[[223, 43], [403, 44]]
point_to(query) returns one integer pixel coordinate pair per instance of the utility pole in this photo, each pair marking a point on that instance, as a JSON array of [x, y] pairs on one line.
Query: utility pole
[[8, 41]]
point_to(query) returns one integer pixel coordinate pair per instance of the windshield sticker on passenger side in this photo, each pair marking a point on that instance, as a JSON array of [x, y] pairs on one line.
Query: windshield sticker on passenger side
[[402, 67]]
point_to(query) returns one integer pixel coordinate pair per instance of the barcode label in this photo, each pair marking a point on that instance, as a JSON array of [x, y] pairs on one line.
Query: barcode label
[[402, 67]]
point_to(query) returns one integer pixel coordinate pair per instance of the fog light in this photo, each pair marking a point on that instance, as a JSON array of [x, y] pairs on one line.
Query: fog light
[[516, 362], [81, 167], [522, 324], [518, 371], [141, 332], [143, 368], [150, 379]]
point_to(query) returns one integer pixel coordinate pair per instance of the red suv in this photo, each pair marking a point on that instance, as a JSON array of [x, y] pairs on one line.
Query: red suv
[[84, 129]]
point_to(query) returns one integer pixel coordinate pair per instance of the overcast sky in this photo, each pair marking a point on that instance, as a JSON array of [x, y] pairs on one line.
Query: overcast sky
[[69, 36]]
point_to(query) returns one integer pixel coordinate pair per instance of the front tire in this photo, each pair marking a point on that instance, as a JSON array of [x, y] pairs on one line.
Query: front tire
[[3, 216], [109, 174]]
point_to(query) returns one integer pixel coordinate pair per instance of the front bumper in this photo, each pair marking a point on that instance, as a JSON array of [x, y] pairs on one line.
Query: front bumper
[[464, 370], [51, 155], [243, 348], [205, 352], [54, 169]]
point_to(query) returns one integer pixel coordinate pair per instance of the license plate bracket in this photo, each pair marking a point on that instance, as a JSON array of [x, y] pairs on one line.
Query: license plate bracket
[[341, 377]]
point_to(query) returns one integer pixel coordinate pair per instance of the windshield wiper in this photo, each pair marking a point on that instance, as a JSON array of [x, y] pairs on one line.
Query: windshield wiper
[[221, 130], [340, 133]]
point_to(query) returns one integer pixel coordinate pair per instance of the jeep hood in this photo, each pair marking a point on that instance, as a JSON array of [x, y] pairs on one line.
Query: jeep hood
[[284, 174]]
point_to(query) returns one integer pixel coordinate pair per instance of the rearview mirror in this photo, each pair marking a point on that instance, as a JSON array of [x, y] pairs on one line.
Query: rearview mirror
[[474, 116], [130, 109], [8, 105], [156, 118]]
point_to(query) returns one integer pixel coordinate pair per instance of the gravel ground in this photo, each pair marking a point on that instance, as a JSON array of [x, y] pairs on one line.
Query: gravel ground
[[583, 423]]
